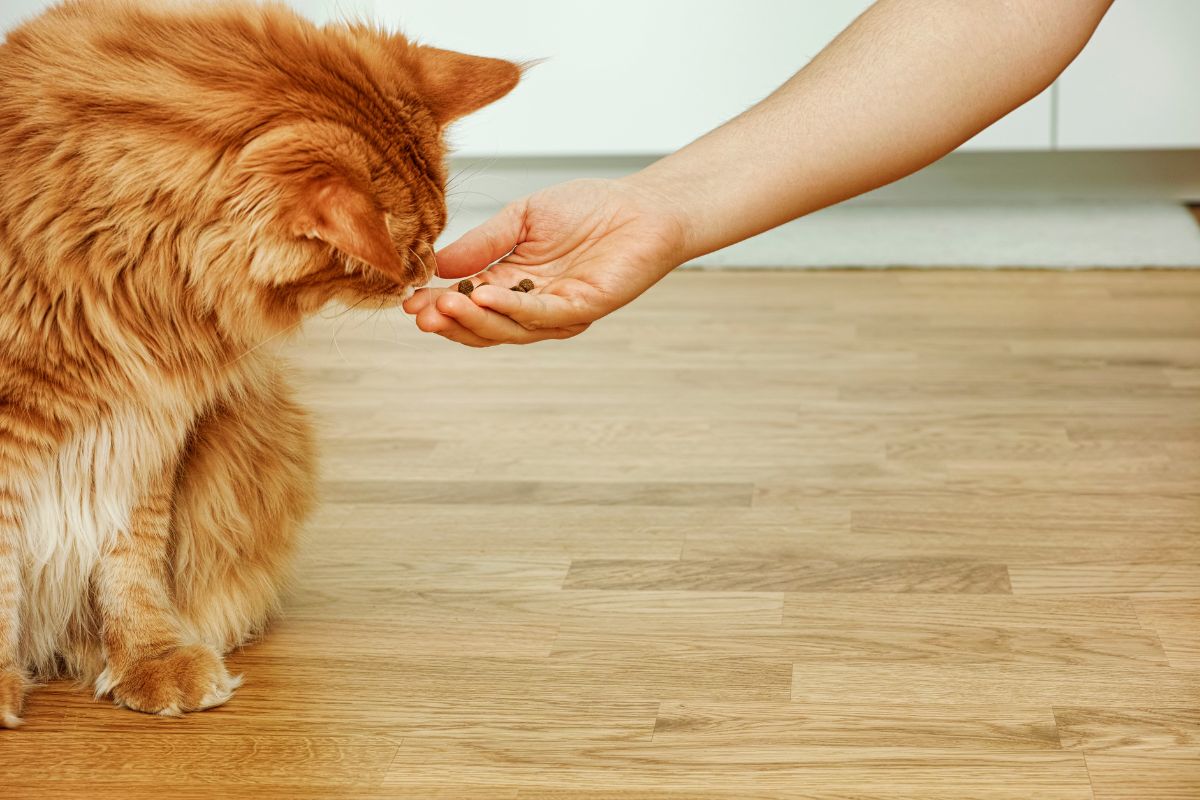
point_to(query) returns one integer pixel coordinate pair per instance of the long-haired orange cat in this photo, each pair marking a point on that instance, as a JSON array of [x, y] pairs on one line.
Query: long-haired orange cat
[[176, 187]]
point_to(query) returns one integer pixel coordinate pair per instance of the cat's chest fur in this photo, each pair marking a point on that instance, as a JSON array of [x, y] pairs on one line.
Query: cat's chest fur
[[80, 501]]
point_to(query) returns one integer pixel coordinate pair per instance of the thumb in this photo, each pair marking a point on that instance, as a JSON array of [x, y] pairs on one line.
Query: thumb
[[480, 247]]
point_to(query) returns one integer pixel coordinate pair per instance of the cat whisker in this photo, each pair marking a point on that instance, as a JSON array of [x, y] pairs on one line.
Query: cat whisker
[[424, 266], [469, 172], [341, 316], [263, 343]]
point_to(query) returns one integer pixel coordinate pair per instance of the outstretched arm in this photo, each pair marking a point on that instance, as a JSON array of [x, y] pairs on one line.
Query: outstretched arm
[[906, 83]]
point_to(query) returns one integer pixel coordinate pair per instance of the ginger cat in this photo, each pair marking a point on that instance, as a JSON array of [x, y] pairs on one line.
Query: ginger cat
[[177, 186]]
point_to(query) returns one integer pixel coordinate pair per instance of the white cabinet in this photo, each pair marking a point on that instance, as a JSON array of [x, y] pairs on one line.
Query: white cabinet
[[643, 76], [623, 76], [14, 12], [1137, 84]]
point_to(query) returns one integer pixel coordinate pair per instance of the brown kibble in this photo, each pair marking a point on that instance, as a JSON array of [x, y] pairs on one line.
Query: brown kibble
[[465, 287], [526, 285]]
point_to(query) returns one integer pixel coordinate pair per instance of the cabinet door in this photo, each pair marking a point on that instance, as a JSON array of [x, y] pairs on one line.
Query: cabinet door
[[14, 12], [643, 76], [622, 76], [625, 77], [1137, 84]]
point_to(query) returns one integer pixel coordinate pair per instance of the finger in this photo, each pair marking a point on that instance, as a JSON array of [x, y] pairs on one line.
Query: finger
[[484, 245], [532, 311], [431, 320], [481, 321], [424, 296], [457, 333], [418, 301], [497, 328]]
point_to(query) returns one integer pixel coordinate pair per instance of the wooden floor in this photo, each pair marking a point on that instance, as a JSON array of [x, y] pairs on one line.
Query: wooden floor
[[761, 535]]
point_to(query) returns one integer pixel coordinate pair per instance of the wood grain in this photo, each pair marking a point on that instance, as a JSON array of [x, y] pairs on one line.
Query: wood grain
[[873, 771], [909, 644], [1177, 625], [1164, 579], [1173, 776], [951, 577], [973, 728], [1124, 730], [997, 682], [760, 536]]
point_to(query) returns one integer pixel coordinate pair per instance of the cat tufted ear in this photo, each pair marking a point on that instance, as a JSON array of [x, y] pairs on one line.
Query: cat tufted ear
[[457, 84], [316, 176], [335, 212]]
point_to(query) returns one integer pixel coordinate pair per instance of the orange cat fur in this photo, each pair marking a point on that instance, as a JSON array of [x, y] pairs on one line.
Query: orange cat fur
[[177, 187]]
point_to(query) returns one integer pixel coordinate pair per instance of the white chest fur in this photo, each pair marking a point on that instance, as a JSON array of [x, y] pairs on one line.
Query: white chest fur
[[75, 507]]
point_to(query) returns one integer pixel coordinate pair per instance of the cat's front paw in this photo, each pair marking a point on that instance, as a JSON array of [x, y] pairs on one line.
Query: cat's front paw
[[184, 678], [13, 685]]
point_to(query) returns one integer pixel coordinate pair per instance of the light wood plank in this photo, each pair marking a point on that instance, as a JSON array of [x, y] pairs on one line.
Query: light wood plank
[[540, 607], [1177, 624], [976, 728], [1174, 776], [303, 759], [249, 790], [338, 568], [538, 493], [1070, 613], [334, 636], [872, 771], [406, 676], [949, 577], [1128, 730], [893, 644], [1141, 580], [1021, 684]]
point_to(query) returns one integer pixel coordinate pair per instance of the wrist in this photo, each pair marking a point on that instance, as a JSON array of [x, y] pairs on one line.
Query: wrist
[[666, 200]]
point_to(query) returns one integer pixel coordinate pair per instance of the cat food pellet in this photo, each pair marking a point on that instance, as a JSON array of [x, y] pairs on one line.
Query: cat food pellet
[[465, 287]]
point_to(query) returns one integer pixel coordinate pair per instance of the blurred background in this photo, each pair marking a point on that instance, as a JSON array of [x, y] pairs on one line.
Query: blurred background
[[1095, 172]]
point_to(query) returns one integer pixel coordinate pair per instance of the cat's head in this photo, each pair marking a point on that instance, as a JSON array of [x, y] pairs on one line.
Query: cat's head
[[352, 197], [275, 165]]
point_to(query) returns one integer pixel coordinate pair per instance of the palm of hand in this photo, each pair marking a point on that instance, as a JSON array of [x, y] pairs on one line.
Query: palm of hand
[[589, 246]]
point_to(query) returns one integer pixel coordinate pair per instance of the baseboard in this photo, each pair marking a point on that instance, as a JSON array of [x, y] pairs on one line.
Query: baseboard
[[988, 210], [960, 177]]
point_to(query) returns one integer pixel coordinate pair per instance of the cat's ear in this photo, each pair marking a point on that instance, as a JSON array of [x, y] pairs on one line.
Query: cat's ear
[[346, 218], [457, 84], [317, 182]]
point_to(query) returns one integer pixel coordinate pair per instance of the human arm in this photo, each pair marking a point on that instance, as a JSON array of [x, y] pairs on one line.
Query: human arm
[[906, 83]]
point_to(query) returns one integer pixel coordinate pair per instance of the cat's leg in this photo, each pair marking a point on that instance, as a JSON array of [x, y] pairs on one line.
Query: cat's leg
[[245, 488], [27, 435], [13, 680], [151, 666]]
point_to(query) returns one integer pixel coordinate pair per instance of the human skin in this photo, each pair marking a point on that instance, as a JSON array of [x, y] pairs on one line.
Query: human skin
[[905, 84]]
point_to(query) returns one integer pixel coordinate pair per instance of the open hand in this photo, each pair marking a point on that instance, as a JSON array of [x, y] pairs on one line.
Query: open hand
[[589, 246]]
